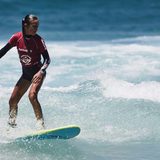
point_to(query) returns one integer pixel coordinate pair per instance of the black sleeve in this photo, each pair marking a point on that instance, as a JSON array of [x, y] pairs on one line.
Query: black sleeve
[[5, 49], [46, 60]]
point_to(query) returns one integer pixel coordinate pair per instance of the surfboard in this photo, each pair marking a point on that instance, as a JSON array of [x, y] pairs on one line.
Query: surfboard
[[65, 132]]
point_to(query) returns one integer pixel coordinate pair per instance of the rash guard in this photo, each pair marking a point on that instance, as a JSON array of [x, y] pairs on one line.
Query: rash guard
[[31, 55]]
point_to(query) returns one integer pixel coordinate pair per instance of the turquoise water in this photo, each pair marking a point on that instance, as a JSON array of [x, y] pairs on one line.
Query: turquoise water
[[104, 77]]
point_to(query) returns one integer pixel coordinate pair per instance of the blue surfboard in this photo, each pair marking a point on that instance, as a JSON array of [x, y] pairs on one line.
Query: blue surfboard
[[66, 132]]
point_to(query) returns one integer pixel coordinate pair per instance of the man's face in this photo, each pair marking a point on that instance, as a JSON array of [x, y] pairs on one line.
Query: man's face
[[32, 28]]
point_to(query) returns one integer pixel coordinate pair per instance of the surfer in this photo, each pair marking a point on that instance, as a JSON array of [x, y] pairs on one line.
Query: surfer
[[30, 47]]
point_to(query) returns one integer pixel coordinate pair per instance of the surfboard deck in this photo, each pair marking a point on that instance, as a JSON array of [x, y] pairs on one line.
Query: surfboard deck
[[65, 132]]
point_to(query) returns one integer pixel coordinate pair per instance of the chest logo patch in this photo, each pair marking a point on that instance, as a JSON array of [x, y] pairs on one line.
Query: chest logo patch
[[26, 59]]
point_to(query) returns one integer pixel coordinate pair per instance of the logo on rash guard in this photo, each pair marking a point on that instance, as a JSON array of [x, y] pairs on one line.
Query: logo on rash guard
[[26, 59]]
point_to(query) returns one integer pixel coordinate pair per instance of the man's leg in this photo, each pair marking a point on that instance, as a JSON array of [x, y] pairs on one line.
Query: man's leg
[[18, 91], [33, 97]]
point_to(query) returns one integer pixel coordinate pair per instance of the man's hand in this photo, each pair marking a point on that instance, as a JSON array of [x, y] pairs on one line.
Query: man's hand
[[38, 77]]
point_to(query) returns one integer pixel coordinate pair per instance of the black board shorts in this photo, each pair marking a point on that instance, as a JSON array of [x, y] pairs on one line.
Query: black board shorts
[[29, 72]]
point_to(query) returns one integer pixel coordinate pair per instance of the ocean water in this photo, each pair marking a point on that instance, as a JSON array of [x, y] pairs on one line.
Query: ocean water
[[104, 77]]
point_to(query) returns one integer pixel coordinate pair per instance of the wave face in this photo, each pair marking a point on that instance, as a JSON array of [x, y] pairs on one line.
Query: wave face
[[109, 88]]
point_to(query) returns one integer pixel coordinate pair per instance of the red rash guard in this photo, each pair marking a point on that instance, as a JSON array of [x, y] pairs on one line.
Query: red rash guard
[[36, 47]]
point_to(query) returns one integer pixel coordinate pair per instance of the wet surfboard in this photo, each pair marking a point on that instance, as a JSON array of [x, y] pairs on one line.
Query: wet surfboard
[[65, 132]]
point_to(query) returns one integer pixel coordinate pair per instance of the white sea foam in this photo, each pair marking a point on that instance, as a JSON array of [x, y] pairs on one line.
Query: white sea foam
[[127, 61], [116, 88], [91, 48], [62, 89], [128, 70]]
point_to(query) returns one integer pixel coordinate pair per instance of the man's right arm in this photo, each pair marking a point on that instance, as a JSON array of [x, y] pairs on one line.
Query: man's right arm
[[5, 49]]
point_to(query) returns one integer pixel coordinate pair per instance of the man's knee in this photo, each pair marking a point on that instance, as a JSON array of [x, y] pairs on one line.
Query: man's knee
[[32, 96]]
